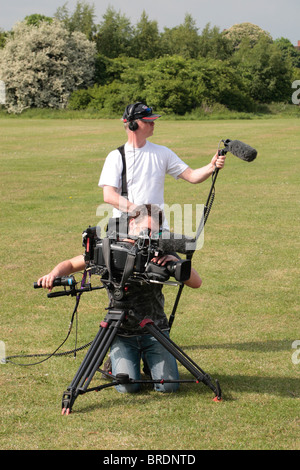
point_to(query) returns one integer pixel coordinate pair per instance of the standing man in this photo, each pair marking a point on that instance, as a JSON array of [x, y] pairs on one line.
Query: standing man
[[147, 164]]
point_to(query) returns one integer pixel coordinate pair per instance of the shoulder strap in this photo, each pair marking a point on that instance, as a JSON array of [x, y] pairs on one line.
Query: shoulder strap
[[124, 180]]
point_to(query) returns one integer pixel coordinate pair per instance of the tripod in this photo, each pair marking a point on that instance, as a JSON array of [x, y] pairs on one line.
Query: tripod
[[99, 348], [107, 332]]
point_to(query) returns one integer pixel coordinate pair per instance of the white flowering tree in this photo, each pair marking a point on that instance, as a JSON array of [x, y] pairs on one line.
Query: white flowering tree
[[41, 65]]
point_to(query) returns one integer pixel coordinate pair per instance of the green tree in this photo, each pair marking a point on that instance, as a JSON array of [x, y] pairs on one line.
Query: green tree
[[214, 44], [171, 84], [36, 19], [264, 71], [121, 82], [115, 34], [3, 36], [182, 40], [146, 39], [168, 84], [288, 51], [82, 18]]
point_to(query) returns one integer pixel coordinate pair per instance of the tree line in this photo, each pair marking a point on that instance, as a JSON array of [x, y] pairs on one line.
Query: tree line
[[177, 70]]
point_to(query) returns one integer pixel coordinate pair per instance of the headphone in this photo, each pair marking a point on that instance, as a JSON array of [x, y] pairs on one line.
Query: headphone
[[133, 125]]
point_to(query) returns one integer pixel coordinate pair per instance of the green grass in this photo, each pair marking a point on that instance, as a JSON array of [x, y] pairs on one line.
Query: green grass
[[239, 327]]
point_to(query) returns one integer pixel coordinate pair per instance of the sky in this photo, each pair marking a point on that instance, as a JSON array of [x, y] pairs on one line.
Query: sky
[[279, 17]]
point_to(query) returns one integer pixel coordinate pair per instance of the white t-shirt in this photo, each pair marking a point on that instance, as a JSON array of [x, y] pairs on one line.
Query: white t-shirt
[[146, 169]]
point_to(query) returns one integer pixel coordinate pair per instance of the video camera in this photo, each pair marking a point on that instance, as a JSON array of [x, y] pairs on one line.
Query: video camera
[[118, 261]]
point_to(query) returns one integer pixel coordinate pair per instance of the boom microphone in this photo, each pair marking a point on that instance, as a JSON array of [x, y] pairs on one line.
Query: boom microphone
[[172, 242], [240, 150]]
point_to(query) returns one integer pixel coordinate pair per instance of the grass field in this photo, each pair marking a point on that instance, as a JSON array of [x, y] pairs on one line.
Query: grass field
[[239, 327]]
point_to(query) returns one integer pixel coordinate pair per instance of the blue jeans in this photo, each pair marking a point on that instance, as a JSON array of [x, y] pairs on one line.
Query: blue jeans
[[126, 354]]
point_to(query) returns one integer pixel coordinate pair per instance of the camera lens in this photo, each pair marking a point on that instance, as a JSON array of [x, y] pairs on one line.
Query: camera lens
[[180, 269]]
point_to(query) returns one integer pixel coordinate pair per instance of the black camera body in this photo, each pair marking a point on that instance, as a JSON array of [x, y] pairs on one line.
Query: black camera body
[[113, 256]]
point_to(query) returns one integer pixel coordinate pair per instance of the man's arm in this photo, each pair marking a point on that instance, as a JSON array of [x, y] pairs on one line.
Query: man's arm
[[111, 196], [65, 268], [194, 281], [201, 174]]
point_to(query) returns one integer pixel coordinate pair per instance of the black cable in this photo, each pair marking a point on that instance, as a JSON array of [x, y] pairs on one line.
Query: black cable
[[7, 359], [66, 353]]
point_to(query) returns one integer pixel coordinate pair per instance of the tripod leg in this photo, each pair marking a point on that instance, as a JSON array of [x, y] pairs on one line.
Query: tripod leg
[[183, 358], [72, 392], [98, 358], [93, 359], [91, 352]]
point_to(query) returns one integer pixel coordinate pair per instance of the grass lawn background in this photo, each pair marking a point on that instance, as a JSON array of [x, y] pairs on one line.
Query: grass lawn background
[[239, 327]]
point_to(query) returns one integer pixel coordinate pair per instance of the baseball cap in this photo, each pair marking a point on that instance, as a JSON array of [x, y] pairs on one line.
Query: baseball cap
[[139, 111]]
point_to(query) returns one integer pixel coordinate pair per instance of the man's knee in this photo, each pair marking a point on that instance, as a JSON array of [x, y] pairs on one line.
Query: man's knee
[[129, 388]]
